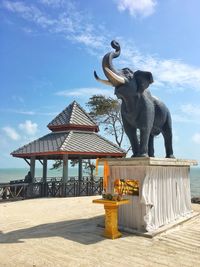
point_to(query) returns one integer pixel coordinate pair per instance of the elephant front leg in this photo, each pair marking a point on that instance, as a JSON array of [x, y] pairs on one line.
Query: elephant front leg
[[144, 140], [134, 143], [131, 132]]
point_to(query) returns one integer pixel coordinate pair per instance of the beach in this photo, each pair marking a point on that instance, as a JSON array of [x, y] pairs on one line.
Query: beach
[[64, 232]]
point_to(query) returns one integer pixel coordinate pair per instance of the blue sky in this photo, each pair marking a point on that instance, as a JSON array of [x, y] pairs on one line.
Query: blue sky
[[49, 49]]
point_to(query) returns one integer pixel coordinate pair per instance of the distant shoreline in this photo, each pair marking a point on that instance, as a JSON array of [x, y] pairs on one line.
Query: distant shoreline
[[9, 174]]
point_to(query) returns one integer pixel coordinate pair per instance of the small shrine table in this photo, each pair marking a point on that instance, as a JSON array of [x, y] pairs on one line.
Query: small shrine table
[[111, 216]]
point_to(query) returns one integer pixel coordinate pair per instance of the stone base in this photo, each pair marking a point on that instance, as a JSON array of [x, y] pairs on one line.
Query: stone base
[[148, 161], [164, 192], [161, 229]]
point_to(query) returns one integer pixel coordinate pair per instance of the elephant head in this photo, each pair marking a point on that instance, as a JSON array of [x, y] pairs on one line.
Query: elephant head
[[126, 82]]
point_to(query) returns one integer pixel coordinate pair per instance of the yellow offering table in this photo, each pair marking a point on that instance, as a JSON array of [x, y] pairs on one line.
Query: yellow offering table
[[111, 216]]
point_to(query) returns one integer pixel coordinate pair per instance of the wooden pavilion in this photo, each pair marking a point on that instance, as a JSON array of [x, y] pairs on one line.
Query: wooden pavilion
[[74, 135]]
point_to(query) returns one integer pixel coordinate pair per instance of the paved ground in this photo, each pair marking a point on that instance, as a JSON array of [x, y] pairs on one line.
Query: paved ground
[[63, 232]]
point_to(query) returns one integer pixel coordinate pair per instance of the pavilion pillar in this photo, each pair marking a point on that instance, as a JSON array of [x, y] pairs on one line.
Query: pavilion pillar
[[65, 174], [44, 174], [32, 168], [80, 174], [44, 178]]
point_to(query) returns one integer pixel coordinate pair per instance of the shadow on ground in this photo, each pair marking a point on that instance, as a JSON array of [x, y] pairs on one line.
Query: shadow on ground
[[84, 231]]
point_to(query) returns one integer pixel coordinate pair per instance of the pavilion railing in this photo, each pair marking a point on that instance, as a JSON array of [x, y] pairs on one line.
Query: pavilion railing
[[13, 191], [52, 188]]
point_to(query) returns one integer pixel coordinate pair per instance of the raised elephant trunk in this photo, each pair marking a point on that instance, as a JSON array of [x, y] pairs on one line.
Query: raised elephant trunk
[[114, 77]]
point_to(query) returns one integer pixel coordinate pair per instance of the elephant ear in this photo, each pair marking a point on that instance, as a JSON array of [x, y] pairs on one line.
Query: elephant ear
[[143, 80]]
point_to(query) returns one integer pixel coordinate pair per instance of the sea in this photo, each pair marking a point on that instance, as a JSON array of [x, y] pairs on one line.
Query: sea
[[11, 174]]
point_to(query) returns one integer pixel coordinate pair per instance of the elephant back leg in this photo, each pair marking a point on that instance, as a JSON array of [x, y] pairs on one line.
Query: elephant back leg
[[151, 146], [167, 134]]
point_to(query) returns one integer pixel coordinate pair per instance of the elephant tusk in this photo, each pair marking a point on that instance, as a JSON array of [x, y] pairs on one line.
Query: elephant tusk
[[106, 82], [117, 78]]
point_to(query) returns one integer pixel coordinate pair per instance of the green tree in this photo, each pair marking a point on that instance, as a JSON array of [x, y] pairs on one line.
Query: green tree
[[106, 111], [88, 166]]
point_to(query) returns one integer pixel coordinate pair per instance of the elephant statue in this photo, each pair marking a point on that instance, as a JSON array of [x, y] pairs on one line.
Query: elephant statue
[[139, 109]]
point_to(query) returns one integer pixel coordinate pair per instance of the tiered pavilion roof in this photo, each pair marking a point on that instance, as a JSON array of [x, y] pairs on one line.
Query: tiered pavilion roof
[[74, 135]]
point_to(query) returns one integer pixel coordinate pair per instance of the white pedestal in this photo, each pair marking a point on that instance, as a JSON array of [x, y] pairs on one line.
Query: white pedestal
[[164, 191]]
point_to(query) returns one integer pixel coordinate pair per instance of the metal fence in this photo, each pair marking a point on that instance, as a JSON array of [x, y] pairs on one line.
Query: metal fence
[[52, 188]]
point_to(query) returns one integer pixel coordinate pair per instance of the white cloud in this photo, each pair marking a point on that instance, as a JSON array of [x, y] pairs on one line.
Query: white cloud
[[29, 127], [176, 137], [171, 73], [24, 112], [190, 109], [29, 12], [86, 92], [29, 112], [69, 22], [53, 3], [18, 98], [184, 119], [196, 138], [89, 40], [11, 133], [143, 8], [179, 118], [28, 30], [76, 26], [187, 113]]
